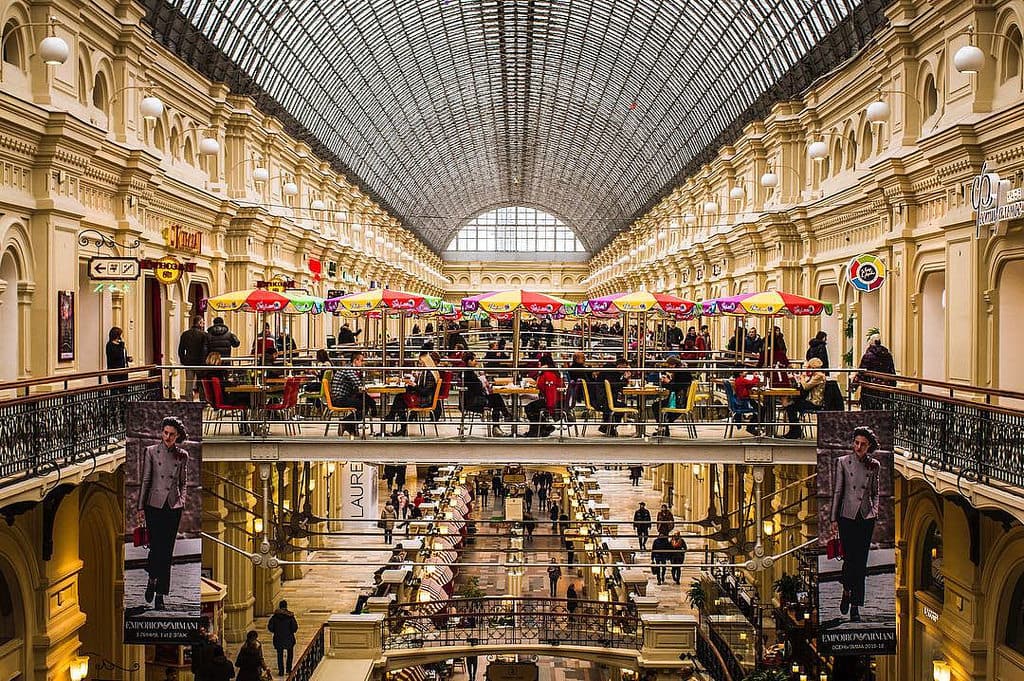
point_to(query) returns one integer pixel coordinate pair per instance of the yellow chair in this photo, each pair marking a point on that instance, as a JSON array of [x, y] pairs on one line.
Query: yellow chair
[[428, 411], [330, 409], [589, 409], [625, 411], [686, 412]]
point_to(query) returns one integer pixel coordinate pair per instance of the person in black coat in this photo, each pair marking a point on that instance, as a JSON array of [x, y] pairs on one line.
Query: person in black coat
[[250, 659], [219, 667], [192, 351], [677, 382], [571, 598], [221, 339], [660, 552], [818, 348], [117, 354], [419, 392], [283, 626], [642, 524], [677, 556]]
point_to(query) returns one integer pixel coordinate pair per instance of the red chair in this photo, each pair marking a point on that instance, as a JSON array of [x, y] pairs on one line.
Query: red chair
[[442, 397], [286, 407], [214, 390]]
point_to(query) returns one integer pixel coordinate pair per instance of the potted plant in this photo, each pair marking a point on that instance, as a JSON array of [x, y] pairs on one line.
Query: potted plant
[[767, 675], [787, 586]]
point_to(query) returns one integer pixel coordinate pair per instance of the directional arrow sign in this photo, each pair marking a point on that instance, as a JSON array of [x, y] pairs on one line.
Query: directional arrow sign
[[113, 269]]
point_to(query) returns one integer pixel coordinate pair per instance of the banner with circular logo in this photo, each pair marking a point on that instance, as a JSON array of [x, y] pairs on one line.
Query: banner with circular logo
[[866, 272]]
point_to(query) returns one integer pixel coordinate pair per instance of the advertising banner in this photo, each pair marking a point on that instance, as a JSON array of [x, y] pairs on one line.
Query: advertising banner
[[359, 496], [857, 533], [163, 506]]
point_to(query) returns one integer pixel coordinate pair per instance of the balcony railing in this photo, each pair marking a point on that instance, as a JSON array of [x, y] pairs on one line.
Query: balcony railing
[[513, 621], [76, 418], [956, 430], [311, 657]]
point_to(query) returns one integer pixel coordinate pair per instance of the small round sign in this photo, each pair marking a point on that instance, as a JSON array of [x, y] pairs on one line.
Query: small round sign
[[866, 272]]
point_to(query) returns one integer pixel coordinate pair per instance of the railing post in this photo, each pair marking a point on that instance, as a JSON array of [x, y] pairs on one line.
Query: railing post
[[352, 637], [668, 640]]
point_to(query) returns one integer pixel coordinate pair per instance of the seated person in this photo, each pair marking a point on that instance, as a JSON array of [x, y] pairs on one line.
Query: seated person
[[618, 380], [812, 395], [677, 381], [320, 365], [214, 359], [548, 385], [478, 396], [419, 392], [270, 360], [348, 390], [264, 341], [741, 386]]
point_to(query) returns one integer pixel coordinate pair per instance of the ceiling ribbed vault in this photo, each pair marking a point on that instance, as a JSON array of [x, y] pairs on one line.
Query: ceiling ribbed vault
[[443, 108]]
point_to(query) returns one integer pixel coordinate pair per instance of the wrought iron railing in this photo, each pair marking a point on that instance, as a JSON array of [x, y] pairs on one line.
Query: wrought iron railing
[[974, 440], [733, 665], [310, 659], [44, 431], [513, 621], [711, 659]]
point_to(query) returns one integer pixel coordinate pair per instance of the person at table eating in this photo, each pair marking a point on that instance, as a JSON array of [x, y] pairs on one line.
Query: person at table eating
[[478, 396], [419, 392], [677, 382], [812, 395], [618, 380], [741, 386], [348, 390], [548, 385]]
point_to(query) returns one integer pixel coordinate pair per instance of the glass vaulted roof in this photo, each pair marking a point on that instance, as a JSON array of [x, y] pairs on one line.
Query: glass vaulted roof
[[588, 109]]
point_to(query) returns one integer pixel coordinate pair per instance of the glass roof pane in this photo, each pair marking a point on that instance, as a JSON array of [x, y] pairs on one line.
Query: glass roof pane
[[589, 107]]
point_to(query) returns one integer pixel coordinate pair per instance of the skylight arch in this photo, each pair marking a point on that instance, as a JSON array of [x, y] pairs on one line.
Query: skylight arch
[[516, 229]]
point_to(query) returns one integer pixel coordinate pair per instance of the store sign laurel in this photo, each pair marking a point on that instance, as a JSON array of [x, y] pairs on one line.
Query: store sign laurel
[[994, 201]]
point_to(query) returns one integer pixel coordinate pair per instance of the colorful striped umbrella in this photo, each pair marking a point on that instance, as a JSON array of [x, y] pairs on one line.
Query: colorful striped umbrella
[[503, 302], [639, 301], [382, 298], [263, 300], [769, 304]]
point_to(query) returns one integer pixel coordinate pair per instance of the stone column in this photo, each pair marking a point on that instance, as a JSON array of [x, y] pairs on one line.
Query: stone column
[[26, 293], [237, 572]]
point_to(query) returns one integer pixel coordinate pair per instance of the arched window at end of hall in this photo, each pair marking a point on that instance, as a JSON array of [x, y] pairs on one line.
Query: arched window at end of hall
[[516, 229]]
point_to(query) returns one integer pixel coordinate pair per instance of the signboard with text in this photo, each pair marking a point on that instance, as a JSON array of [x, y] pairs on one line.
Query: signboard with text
[[994, 200], [113, 269]]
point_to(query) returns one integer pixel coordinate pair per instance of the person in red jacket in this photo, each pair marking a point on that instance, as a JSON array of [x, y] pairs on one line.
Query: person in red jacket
[[741, 388], [549, 385]]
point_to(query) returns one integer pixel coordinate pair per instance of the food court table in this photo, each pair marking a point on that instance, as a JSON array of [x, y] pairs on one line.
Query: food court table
[[767, 397], [515, 392], [383, 389], [257, 399], [642, 393]]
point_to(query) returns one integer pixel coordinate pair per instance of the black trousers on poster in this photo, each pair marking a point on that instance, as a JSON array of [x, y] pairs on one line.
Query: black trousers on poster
[[163, 531], [856, 537]]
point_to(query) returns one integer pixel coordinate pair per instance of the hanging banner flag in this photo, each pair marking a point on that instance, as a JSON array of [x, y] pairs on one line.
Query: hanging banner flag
[[163, 508], [857, 534]]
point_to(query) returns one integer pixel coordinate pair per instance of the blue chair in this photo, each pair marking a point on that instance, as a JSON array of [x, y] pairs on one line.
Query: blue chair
[[736, 407]]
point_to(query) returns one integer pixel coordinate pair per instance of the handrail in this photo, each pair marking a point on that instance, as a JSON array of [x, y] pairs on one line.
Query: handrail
[[310, 658], [68, 378], [952, 387], [714, 663]]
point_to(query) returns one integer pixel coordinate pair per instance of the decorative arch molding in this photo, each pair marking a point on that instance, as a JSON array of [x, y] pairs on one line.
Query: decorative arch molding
[[18, 560], [1002, 569], [922, 510]]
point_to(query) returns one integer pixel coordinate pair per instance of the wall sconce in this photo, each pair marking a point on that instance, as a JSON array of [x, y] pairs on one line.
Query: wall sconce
[[710, 207], [940, 670], [817, 150], [257, 526], [79, 668]]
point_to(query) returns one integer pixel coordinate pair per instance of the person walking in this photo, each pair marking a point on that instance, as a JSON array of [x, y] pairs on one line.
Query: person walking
[[853, 512], [666, 521], [483, 490], [879, 360], [162, 497], [817, 347], [660, 551], [219, 667], [471, 665], [387, 522], [677, 556], [553, 516], [528, 499], [283, 626], [542, 497], [192, 351], [221, 339], [635, 473], [642, 524], [554, 574], [117, 354], [572, 598], [250, 663]]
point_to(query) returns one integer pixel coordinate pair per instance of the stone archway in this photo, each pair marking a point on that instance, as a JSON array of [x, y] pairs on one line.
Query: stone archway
[[100, 580]]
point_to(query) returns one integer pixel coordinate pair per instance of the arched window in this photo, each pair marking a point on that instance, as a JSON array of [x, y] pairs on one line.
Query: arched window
[[1012, 55], [189, 155], [99, 93], [516, 229], [851, 151], [867, 142], [8, 625], [1014, 637], [14, 48], [158, 136], [930, 577], [83, 85], [930, 100]]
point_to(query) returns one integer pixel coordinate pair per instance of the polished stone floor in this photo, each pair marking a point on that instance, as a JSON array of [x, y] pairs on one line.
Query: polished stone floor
[[334, 588]]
